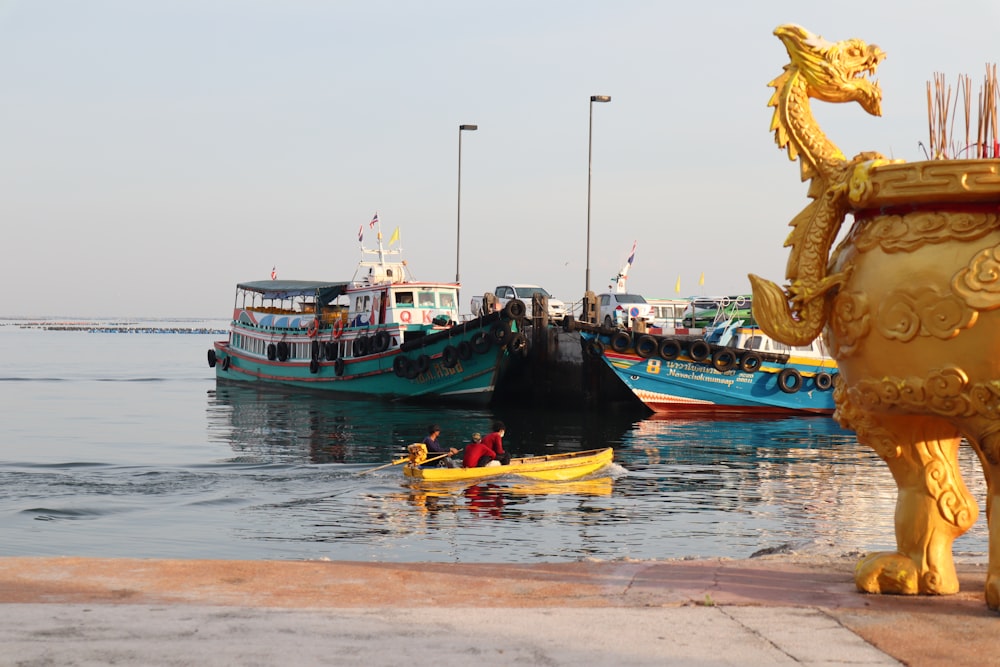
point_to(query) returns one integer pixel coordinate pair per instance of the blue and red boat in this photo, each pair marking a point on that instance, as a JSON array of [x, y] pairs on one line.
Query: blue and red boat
[[733, 369]]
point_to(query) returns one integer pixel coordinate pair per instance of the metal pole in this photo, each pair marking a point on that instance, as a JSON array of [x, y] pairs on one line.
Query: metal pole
[[590, 143], [458, 231]]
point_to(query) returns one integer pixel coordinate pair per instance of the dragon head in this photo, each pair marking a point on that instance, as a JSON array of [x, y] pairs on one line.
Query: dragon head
[[834, 72]]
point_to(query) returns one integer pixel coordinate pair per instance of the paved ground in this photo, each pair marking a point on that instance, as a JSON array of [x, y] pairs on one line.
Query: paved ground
[[775, 611]]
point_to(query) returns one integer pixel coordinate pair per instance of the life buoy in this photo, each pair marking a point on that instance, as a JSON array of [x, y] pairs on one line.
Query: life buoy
[[481, 342], [338, 327], [620, 341], [789, 380], [338, 367], [595, 348], [500, 333], [750, 362], [518, 342], [313, 327], [646, 346], [823, 381], [272, 352], [699, 350], [465, 350], [211, 358], [670, 349], [381, 341], [514, 309], [450, 356], [314, 366], [400, 365], [724, 359], [225, 362], [282, 351]]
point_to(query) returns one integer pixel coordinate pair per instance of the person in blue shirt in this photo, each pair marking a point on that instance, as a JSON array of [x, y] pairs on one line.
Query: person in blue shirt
[[435, 448]]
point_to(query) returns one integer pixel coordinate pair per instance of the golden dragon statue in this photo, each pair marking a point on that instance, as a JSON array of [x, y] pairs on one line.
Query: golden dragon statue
[[829, 72]]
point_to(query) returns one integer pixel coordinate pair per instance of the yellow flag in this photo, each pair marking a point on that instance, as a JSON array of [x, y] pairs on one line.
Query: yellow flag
[[394, 237], [701, 281], [678, 287]]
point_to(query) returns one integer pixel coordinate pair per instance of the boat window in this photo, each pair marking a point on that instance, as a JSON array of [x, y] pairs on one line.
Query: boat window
[[778, 346], [447, 300], [426, 299], [404, 298], [753, 343]]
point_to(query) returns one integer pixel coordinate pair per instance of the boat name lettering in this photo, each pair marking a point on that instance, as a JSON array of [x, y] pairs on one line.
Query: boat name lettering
[[405, 316], [653, 366], [727, 380], [438, 371]]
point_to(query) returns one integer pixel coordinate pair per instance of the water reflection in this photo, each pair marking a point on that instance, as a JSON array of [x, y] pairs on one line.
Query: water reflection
[[681, 487]]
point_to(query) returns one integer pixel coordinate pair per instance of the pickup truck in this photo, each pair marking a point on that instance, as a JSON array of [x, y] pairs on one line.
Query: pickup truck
[[506, 293]]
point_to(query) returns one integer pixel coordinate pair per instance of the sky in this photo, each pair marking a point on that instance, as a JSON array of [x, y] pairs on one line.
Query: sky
[[153, 154]]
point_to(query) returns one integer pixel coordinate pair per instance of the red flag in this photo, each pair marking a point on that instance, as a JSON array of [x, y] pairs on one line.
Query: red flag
[[274, 273], [374, 221]]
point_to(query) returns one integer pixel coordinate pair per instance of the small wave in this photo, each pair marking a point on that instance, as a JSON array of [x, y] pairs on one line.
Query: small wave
[[49, 514]]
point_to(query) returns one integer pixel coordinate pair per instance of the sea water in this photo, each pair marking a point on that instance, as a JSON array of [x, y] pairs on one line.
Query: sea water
[[117, 442]]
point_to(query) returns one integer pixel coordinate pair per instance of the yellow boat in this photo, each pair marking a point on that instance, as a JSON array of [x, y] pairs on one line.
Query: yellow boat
[[551, 467]]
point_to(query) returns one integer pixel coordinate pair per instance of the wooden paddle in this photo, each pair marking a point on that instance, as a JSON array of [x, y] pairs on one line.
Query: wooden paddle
[[404, 460]]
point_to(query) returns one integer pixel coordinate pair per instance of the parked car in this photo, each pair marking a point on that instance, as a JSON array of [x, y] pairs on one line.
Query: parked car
[[619, 310], [506, 293]]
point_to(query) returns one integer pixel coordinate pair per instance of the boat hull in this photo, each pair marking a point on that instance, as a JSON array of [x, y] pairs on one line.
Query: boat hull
[[434, 368], [682, 385], [551, 467]]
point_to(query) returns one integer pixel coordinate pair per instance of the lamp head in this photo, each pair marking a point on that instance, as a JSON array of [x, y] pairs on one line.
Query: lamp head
[[600, 98], [467, 127]]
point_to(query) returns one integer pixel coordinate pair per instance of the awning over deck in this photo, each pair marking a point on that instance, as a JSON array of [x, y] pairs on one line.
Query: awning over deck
[[324, 292]]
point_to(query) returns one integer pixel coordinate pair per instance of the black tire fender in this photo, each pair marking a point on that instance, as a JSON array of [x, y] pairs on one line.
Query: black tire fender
[[646, 346], [620, 341], [381, 341], [789, 380], [450, 356], [514, 309], [211, 358], [500, 333], [314, 366], [338, 367], [422, 364], [670, 349], [465, 350], [595, 348], [750, 362], [272, 352], [481, 342], [724, 359], [282, 350], [699, 350], [518, 342], [400, 365], [823, 381]]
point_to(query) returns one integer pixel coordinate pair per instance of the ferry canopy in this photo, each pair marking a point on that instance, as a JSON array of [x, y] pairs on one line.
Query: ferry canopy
[[325, 292]]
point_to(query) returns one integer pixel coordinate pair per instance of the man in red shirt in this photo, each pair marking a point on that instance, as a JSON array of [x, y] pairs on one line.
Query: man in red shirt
[[490, 448]]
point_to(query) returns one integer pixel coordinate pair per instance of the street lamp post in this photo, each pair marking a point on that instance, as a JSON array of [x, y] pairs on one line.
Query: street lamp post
[[458, 232], [590, 137]]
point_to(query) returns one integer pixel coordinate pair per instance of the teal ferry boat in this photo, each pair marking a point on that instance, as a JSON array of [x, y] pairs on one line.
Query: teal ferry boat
[[380, 335]]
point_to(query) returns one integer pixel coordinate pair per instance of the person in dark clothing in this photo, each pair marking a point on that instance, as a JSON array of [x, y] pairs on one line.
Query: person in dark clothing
[[435, 448], [494, 441]]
